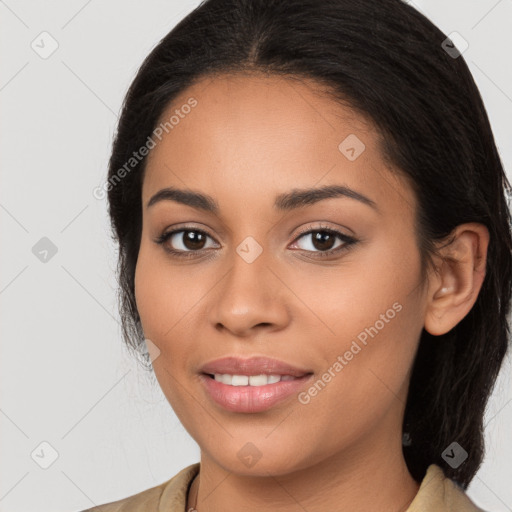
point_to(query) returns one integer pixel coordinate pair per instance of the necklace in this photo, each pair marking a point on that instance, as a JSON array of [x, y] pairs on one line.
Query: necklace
[[193, 509]]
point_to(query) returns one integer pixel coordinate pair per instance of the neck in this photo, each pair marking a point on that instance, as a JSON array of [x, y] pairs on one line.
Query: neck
[[385, 485]]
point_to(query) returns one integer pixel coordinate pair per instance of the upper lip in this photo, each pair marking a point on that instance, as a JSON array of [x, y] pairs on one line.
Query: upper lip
[[258, 365]]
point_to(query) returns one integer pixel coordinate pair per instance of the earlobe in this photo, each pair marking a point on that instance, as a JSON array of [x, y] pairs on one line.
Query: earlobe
[[456, 282]]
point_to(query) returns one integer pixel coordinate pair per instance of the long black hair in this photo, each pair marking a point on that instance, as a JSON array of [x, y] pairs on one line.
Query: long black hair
[[392, 65]]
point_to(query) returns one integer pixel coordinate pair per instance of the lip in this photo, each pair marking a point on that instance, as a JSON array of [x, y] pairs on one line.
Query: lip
[[252, 399], [252, 366]]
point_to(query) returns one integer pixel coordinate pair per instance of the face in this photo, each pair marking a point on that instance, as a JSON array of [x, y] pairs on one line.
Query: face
[[327, 284]]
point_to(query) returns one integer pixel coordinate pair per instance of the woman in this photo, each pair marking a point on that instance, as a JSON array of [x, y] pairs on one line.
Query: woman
[[315, 248]]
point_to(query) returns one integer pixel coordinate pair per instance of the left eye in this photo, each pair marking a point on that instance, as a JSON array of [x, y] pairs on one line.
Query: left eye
[[322, 240]]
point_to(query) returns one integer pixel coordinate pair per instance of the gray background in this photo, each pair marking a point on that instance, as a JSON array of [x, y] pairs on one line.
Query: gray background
[[65, 377]]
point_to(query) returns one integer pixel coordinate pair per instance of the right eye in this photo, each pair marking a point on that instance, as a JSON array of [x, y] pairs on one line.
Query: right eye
[[183, 242]]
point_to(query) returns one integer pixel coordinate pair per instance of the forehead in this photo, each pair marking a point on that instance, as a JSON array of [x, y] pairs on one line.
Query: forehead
[[254, 132]]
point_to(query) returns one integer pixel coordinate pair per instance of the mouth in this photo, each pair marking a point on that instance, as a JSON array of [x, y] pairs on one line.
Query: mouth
[[238, 369], [251, 385], [252, 380]]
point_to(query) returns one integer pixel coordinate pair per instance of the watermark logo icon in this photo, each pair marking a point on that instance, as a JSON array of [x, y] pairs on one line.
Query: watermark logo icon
[[351, 147], [44, 455], [152, 350], [249, 454], [249, 249], [454, 455], [455, 45], [44, 250], [45, 45]]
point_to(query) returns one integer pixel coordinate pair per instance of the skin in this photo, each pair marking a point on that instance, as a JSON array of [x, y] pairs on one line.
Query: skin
[[249, 138]]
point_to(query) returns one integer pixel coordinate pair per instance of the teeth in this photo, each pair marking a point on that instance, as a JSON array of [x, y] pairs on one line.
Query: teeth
[[240, 380], [252, 380], [257, 380]]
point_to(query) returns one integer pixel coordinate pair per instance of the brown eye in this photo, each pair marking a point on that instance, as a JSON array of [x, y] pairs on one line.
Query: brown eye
[[193, 240], [184, 242], [323, 241]]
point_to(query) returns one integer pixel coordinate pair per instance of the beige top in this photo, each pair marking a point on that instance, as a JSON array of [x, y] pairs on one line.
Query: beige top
[[436, 494]]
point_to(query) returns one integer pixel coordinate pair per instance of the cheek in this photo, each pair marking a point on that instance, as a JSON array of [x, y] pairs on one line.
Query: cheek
[[167, 298], [364, 379], [374, 312], [162, 310], [365, 286], [156, 294]]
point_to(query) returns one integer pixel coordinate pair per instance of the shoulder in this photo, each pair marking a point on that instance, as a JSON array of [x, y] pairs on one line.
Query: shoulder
[[441, 494], [170, 496]]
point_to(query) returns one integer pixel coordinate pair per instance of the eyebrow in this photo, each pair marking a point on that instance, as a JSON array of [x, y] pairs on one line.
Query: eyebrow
[[297, 198]]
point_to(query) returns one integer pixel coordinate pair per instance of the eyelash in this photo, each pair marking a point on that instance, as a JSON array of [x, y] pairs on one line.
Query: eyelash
[[348, 241]]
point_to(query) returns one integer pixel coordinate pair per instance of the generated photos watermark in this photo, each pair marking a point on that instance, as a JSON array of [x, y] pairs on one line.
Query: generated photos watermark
[[356, 346], [100, 191]]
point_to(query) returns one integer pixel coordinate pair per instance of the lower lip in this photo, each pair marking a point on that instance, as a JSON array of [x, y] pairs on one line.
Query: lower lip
[[251, 398]]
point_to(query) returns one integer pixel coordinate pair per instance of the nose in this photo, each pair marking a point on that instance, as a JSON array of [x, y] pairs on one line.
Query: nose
[[250, 298]]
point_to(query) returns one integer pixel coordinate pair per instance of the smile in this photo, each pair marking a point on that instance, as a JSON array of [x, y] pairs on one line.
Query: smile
[[250, 380]]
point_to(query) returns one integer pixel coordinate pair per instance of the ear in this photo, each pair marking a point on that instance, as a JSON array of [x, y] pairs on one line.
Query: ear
[[457, 279]]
